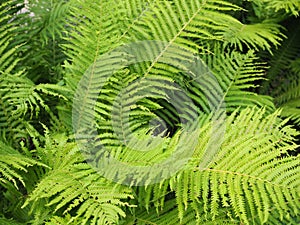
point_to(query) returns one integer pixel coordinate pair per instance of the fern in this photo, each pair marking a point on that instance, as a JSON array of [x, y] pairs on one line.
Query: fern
[[9, 222], [52, 16], [284, 75], [83, 191], [252, 175], [237, 74], [21, 98], [252, 158], [149, 112], [291, 6], [97, 200], [7, 59], [12, 163], [169, 216], [17, 173]]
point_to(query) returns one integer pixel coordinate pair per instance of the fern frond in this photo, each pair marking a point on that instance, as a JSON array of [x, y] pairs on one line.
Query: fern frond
[[289, 101], [12, 164], [251, 173], [8, 61], [199, 21], [263, 35], [169, 216], [280, 62], [37, 49], [21, 98], [98, 28], [183, 21], [144, 23], [289, 6], [252, 176], [237, 74], [52, 15], [9, 221], [93, 198]]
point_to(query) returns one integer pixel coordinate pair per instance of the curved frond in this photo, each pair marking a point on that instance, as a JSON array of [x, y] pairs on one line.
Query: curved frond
[[289, 6], [8, 61], [80, 188], [280, 63], [262, 35], [237, 74], [9, 221], [169, 216], [289, 101], [98, 28], [21, 99], [252, 173], [49, 18], [12, 164]]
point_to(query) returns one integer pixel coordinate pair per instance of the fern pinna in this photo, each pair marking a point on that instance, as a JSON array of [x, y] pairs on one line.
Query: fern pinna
[[210, 86]]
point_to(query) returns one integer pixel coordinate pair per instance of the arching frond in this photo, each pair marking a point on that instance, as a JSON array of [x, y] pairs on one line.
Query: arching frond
[[94, 199], [289, 6], [237, 74], [251, 173], [253, 156], [197, 20], [290, 101], [169, 216], [49, 18], [9, 221], [21, 99], [166, 125], [12, 164], [8, 60], [263, 35], [73, 186], [98, 28]]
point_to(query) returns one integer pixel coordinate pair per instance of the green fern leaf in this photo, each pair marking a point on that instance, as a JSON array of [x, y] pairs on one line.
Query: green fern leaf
[[12, 164]]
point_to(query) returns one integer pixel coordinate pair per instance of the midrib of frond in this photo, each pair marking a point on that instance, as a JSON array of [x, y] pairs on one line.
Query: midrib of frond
[[146, 221], [174, 39], [90, 84], [129, 27], [152, 64], [91, 78], [231, 84], [246, 176]]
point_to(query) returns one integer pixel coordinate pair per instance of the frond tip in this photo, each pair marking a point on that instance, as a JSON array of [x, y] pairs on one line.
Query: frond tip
[[13, 164], [253, 36]]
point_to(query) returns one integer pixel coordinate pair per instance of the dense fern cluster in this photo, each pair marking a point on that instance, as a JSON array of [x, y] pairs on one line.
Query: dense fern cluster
[[149, 112]]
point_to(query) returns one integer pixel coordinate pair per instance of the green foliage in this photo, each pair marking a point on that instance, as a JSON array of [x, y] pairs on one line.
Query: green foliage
[[12, 163], [290, 6], [222, 75], [284, 76], [79, 189]]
